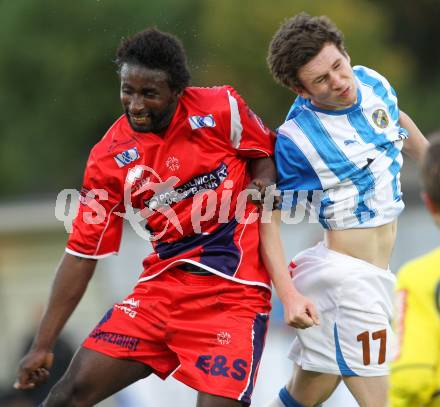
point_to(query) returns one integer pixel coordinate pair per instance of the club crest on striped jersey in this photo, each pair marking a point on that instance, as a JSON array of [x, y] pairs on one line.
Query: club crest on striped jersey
[[197, 122], [126, 157], [380, 118]]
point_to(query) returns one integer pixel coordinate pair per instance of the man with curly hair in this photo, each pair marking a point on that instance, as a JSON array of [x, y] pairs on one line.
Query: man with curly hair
[[338, 152], [187, 158]]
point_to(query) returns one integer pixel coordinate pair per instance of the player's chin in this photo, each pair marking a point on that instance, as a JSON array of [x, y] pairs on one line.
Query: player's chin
[[348, 100], [141, 128]]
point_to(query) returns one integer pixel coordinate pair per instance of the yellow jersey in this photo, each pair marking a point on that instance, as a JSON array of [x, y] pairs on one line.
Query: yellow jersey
[[415, 371]]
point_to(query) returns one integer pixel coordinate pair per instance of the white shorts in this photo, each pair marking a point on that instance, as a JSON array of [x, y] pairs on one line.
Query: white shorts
[[354, 300]]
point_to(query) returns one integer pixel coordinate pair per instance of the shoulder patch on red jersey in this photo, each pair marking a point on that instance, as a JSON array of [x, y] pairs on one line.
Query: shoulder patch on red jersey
[[127, 157], [197, 122]]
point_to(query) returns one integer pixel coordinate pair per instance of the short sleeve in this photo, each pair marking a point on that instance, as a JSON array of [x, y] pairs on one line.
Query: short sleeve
[[248, 134], [97, 228]]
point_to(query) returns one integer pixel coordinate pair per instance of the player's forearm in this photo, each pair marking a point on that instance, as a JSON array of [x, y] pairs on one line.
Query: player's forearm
[[69, 285], [416, 144], [272, 253], [263, 169]]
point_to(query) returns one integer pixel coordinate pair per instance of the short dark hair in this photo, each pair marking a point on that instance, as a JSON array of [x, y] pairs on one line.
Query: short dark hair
[[431, 170], [297, 41], [155, 49]]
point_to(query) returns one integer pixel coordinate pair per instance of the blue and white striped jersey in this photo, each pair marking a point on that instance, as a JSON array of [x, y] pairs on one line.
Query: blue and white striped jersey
[[350, 158]]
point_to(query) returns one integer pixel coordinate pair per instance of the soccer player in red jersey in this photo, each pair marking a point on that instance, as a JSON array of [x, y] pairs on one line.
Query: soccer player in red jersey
[[184, 159]]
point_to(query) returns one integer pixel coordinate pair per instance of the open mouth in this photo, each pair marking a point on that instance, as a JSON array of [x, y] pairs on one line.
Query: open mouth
[[140, 120]]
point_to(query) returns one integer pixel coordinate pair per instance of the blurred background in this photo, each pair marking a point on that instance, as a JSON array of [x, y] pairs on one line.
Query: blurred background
[[59, 92]]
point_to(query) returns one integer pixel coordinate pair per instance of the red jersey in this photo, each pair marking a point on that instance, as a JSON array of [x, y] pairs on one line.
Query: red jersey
[[185, 182]]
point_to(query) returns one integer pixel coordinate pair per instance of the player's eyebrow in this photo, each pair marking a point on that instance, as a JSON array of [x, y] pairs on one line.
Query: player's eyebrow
[[338, 61], [318, 78]]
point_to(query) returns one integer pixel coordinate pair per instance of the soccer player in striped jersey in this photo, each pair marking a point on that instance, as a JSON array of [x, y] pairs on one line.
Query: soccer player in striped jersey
[[338, 152], [415, 371]]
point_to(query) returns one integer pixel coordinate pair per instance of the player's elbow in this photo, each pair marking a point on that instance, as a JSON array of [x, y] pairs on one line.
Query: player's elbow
[[411, 387]]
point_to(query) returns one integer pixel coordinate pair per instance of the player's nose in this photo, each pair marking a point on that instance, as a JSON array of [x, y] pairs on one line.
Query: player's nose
[[136, 104], [336, 81]]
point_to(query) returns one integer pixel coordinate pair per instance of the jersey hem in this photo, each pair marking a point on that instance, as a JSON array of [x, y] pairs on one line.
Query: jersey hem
[[88, 256], [354, 260], [255, 149], [207, 268], [372, 223]]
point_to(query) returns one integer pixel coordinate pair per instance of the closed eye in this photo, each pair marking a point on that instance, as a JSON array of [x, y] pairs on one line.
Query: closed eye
[[149, 94], [127, 91], [321, 79]]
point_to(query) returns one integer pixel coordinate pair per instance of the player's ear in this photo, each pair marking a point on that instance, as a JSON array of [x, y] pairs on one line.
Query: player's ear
[[175, 94], [301, 91]]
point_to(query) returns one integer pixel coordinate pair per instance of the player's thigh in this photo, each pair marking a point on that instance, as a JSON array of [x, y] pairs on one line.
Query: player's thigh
[[209, 400], [93, 376], [219, 338], [311, 388], [368, 391]]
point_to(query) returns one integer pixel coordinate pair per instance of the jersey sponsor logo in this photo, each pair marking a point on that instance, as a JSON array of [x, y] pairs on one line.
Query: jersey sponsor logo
[[224, 338], [380, 118], [347, 142], [219, 366], [197, 122], [210, 180], [172, 163], [126, 157]]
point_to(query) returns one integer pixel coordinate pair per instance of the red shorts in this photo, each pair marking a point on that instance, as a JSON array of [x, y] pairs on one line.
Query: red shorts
[[208, 330]]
